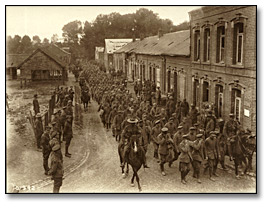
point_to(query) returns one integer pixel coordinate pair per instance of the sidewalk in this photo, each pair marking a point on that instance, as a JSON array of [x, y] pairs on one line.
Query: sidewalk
[[25, 163]]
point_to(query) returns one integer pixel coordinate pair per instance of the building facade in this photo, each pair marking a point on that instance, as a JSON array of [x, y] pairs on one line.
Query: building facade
[[112, 45], [223, 61], [163, 59], [99, 54], [43, 65]]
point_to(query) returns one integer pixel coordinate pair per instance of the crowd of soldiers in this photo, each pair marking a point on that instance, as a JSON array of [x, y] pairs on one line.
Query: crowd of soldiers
[[177, 130], [60, 130]]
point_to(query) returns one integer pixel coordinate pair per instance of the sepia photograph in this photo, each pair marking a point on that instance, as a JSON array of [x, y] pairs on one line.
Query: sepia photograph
[[131, 99]]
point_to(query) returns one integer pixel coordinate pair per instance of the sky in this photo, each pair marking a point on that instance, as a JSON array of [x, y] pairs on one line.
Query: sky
[[45, 21]]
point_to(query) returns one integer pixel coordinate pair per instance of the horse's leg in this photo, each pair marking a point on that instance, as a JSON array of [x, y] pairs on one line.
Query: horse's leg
[[236, 164], [138, 181], [132, 180], [127, 169]]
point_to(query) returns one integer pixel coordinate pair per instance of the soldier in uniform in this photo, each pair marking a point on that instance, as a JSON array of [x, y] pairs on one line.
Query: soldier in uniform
[[56, 169], [46, 149], [185, 158], [156, 130], [229, 131], [192, 134], [175, 119], [193, 114], [197, 155], [172, 127], [67, 135], [57, 121], [38, 130], [117, 124], [210, 124], [130, 130], [163, 139], [36, 106], [71, 93], [176, 141], [170, 107], [145, 132], [211, 153]]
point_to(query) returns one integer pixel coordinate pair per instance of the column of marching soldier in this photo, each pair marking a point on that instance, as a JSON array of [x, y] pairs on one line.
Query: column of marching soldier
[[197, 138], [57, 132]]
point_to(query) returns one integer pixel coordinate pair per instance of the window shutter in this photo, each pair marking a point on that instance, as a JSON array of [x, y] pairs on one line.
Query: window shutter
[[232, 100], [234, 44], [218, 44]]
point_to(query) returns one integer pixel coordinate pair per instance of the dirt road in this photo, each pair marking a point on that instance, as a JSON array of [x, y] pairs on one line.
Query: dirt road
[[101, 172]]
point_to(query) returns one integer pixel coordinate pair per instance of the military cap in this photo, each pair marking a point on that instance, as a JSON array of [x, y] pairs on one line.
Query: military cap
[[192, 105], [199, 135], [69, 116], [56, 147], [209, 112], [171, 118], [170, 97], [220, 120], [248, 130], [157, 121], [185, 136], [154, 104], [47, 127], [132, 120], [192, 128], [64, 107], [174, 114], [39, 115], [164, 129], [53, 123], [216, 131], [180, 127], [212, 133], [231, 115], [196, 124], [67, 95]]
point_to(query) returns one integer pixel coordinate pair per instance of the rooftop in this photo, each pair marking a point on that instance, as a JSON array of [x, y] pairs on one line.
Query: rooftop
[[112, 45], [171, 44]]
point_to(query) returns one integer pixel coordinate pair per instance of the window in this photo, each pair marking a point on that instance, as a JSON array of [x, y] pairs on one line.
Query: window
[[238, 43], [236, 103], [220, 44], [219, 101], [158, 77], [207, 45], [197, 45], [205, 91], [195, 92]]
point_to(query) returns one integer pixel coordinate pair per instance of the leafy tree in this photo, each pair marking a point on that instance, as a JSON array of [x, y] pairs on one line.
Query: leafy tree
[[72, 31], [36, 40], [54, 38], [25, 46], [45, 41]]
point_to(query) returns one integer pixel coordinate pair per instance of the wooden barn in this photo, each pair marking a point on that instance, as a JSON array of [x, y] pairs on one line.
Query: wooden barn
[[12, 62], [46, 63]]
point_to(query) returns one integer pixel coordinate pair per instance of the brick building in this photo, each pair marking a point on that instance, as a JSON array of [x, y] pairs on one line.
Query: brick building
[[223, 61], [164, 59]]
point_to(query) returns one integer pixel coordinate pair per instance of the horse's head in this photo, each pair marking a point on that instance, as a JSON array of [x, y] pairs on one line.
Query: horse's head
[[134, 143]]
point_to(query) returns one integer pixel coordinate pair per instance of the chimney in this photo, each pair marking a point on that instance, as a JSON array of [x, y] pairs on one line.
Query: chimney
[[160, 34]]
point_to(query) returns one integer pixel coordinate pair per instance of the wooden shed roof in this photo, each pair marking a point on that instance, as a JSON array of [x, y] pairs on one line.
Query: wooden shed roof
[[49, 53]]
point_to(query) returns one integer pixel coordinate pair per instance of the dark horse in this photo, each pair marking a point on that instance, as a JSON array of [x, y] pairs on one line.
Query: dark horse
[[135, 159], [239, 154], [85, 99]]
